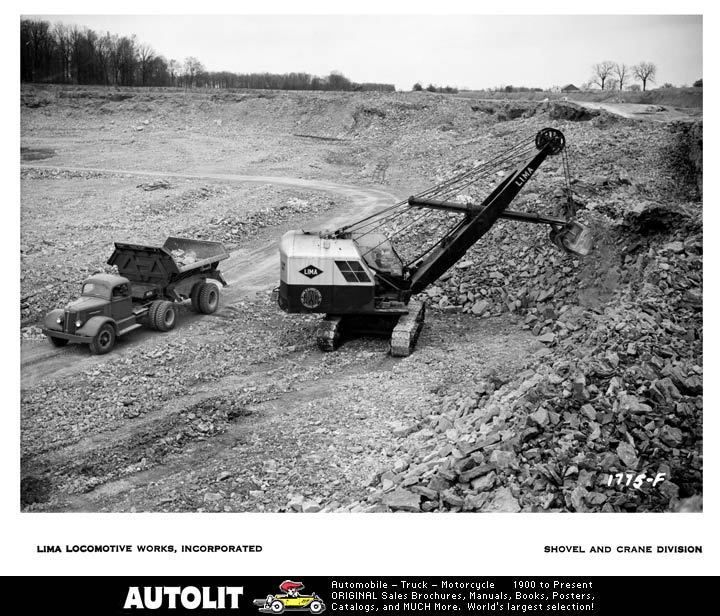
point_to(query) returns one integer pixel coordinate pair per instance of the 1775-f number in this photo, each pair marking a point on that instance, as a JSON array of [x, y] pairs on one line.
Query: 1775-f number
[[635, 480]]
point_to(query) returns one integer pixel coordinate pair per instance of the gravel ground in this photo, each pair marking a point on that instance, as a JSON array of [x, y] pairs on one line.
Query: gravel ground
[[536, 376]]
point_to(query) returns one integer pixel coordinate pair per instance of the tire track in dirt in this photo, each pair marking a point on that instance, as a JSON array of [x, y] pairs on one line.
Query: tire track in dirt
[[639, 111], [314, 401], [245, 271], [326, 400]]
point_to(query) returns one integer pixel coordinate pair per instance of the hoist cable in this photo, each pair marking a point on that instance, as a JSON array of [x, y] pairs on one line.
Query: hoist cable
[[441, 190], [450, 187], [487, 166], [380, 223]]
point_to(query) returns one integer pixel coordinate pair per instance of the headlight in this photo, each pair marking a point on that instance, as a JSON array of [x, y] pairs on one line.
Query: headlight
[[78, 323], [59, 320]]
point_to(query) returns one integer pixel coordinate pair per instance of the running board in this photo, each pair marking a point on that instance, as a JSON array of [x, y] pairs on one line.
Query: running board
[[128, 329]]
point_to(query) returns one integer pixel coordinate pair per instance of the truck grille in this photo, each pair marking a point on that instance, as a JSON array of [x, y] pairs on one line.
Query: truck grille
[[69, 323]]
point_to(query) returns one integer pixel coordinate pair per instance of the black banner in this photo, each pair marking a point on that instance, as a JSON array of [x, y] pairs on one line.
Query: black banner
[[297, 594]]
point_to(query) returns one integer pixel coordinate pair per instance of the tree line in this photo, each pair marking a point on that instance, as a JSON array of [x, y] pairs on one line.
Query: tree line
[[71, 54], [615, 75], [432, 88]]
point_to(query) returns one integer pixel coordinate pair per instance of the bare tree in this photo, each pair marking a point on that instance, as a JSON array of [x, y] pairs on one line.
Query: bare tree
[[113, 43], [601, 72], [645, 71], [146, 55], [75, 37], [62, 36], [102, 56], [621, 74], [192, 66], [126, 58], [174, 67], [39, 51], [103, 52]]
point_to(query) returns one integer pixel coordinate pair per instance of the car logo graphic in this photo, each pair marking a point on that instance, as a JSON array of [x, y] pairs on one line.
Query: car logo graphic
[[289, 599], [311, 271]]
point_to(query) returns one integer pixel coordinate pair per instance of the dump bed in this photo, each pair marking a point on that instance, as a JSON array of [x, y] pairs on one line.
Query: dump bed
[[162, 264]]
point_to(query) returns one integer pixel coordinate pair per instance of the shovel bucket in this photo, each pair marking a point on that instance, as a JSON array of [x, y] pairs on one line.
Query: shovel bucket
[[574, 237]]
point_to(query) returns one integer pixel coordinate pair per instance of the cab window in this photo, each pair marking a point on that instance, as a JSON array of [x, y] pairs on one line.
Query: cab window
[[121, 290], [95, 290]]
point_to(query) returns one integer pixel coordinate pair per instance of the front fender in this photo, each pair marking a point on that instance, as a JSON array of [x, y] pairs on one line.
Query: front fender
[[93, 326], [51, 319]]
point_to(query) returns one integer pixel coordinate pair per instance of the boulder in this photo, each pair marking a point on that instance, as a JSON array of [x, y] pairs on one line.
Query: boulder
[[503, 501], [628, 456], [402, 500]]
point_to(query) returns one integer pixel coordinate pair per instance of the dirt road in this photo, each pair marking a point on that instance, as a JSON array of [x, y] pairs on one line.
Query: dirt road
[[246, 271], [637, 111], [307, 428]]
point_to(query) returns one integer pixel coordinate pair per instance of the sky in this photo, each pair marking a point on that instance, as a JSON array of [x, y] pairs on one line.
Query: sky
[[467, 51]]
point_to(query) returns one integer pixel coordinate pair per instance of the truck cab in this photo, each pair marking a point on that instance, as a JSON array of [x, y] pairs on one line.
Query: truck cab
[[113, 290], [105, 302], [149, 282]]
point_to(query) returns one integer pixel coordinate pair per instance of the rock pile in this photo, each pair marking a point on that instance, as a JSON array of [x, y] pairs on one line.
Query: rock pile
[[565, 110], [233, 228], [182, 257], [617, 388]]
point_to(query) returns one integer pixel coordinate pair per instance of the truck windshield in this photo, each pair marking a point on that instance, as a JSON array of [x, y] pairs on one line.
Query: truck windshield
[[95, 290]]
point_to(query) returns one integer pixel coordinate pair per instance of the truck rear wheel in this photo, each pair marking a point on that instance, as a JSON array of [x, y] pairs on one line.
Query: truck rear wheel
[[194, 294], [57, 342], [208, 298], [103, 341], [162, 315]]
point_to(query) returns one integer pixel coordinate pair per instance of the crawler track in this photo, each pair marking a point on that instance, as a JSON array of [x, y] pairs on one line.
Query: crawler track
[[407, 330], [328, 334]]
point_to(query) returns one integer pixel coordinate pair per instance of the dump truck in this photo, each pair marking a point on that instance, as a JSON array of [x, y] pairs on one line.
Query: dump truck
[[150, 283], [357, 277]]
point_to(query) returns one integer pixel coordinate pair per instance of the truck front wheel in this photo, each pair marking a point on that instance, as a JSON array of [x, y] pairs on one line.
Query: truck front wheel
[[57, 342], [162, 315], [208, 298], [104, 340]]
